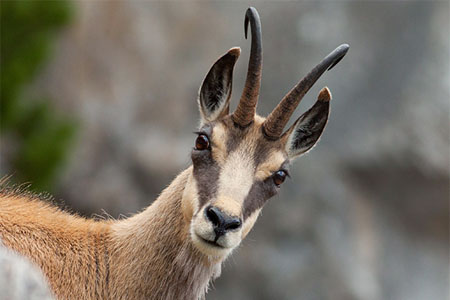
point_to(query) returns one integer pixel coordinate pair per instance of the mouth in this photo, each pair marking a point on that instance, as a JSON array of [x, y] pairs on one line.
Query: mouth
[[211, 243]]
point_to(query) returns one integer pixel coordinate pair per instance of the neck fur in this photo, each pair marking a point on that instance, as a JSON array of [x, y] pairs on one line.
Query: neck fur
[[153, 254]]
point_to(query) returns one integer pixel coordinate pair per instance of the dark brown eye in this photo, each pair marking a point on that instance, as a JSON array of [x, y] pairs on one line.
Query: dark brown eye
[[279, 177], [202, 142]]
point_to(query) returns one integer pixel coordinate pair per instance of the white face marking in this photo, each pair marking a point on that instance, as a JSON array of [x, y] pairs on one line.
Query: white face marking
[[235, 180]]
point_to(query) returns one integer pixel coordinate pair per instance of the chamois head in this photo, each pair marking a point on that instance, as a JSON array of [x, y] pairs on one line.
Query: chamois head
[[240, 160]]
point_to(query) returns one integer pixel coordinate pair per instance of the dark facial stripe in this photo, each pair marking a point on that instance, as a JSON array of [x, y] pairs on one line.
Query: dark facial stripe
[[206, 173], [261, 191], [97, 268], [258, 195], [106, 258]]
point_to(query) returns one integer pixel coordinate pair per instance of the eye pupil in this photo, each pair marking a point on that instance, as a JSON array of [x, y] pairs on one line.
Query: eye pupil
[[279, 177], [202, 142]]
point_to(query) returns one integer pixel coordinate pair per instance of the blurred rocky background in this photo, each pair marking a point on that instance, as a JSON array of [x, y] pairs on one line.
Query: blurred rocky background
[[366, 214]]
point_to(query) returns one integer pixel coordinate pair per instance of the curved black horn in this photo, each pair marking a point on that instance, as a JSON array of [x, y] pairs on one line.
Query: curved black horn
[[245, 112], [276, 121]]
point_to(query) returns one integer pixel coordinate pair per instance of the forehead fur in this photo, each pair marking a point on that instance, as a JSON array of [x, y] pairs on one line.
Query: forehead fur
[[263, 154]]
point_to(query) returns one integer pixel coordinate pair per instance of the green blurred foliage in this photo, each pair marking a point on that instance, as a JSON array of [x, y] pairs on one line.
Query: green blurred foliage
[[43, 136]]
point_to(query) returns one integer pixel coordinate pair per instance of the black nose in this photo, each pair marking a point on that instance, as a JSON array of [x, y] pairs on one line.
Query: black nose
[[221, 221]]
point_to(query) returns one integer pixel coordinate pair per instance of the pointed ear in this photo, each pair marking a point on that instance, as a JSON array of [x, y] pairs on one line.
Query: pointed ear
[[306, 131], [215, 92]]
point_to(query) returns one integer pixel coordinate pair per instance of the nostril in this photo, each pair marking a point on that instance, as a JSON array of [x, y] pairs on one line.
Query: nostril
[[221, 221], [233, 224], [212, 215]]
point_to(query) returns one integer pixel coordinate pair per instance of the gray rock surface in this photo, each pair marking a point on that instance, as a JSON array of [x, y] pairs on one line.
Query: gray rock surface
[[20, 279]]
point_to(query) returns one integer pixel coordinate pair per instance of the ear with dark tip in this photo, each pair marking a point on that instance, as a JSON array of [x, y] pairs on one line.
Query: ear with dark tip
[[215, 92], [308, 128]]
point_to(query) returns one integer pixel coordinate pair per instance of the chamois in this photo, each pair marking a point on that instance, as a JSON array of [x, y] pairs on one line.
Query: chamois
[[175, 247]]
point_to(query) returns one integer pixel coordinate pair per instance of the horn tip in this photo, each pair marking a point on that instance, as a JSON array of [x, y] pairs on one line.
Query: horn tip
[[250, 14], [345, 46], [339, 54], [342, 50], [250, 9], [324, 95]]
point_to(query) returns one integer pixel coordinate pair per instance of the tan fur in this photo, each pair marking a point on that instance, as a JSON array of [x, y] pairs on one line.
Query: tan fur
[[219, 143], [148, 256], [189, 205], [270, 165], [68, 249]]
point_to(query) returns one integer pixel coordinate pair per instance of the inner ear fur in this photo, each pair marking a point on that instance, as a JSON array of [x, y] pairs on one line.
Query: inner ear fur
[[308, 128], [215, 91]]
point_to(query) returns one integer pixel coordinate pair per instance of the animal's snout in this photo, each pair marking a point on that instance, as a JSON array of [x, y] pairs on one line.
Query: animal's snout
[[221, 221]]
